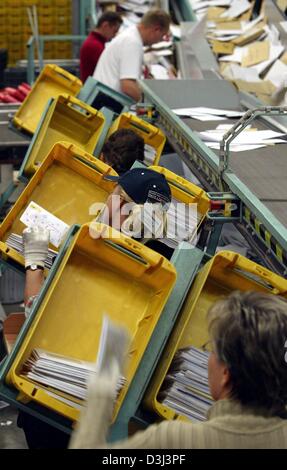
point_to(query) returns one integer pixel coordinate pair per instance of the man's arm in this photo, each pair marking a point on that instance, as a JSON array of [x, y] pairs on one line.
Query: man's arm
[[92, 429], [130, 87], [33, 284], [36, 243]]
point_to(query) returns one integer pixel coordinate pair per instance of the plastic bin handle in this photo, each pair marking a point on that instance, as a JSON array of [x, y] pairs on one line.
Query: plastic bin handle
[[141, 127], [86, 109], [66, 75], [272, 280], [148, 257], [110, 236], [92, 162]]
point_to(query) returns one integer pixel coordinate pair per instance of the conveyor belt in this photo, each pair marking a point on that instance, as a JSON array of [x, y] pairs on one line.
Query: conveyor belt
[[264, 171], [9, 137], [258, 177]]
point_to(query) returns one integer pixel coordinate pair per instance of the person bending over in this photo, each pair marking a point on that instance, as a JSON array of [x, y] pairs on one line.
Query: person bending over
[[120, 65], [107, 27], [122, 149]]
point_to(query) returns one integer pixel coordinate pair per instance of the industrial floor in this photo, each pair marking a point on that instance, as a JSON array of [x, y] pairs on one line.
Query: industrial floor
[[11, 437]]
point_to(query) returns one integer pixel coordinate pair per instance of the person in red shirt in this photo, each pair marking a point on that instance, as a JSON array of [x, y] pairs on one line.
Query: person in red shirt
[[107, 27]]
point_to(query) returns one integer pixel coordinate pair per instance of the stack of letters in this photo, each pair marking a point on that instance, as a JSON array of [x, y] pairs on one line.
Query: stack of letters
[[15, 241], [185, 389]]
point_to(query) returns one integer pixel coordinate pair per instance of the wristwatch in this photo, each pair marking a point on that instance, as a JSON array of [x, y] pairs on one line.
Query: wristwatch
[[34, 267]]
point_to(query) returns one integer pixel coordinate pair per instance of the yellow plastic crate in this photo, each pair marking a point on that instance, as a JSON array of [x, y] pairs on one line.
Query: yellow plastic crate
[[46, 10], [46, 29], [152, 135], [29, 3], [50, 54], [61, 20], [115, 275], [26, 28], [48, 47], [14, 3], [68, 182], [224, 273], [43, 20], [64, 47], [15, 24], [51, 82], [62, 55], [63, 10], [15, 41], [18, 12], [67, 119], [63, 30], [46, 2], [63, 3]]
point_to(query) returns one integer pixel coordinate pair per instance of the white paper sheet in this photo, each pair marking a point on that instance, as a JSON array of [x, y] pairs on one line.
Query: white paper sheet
[[199, 110], [159, 72], [248, 137], [235, 57], [236, 72], [277, 73], [37, 215], [207, 117], [236, 8]]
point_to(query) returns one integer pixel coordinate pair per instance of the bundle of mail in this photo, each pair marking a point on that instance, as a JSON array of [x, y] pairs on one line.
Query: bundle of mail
[[149, 154], [61, 374], [67, 378], [249, 139], [185, 389], [249, 51], [16, 242], [182, 223]]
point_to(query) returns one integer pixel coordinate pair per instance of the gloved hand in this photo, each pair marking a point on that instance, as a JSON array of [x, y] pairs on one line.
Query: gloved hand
[[36, 243], [92, 429]]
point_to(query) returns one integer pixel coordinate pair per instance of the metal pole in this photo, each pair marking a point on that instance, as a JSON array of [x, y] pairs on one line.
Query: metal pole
[[40, 56]]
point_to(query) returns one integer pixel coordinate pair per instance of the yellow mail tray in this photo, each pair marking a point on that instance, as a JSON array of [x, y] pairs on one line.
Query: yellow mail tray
[[151, 135], [52, 81], [67, 119], [225, 272], [68, 182], [113, 275]]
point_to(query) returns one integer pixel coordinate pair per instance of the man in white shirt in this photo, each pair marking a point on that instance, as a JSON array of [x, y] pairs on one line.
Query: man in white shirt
[[120, 65]]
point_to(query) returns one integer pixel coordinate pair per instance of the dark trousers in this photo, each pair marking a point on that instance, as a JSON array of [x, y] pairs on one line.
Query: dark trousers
[[40, 435]]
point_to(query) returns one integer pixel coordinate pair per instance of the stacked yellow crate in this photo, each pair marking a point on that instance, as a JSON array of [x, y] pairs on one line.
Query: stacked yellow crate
[[16, 19], [3, 26], [54, 17], [63, 25]]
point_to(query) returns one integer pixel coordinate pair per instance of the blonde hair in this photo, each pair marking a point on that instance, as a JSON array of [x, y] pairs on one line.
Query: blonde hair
[[156, 17]]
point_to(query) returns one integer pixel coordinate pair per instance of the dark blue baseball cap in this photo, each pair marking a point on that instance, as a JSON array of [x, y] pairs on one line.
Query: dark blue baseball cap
[[144, 185]]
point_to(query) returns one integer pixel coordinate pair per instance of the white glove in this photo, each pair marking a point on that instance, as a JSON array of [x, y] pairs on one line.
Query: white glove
[[92, 429], [36, 243]]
